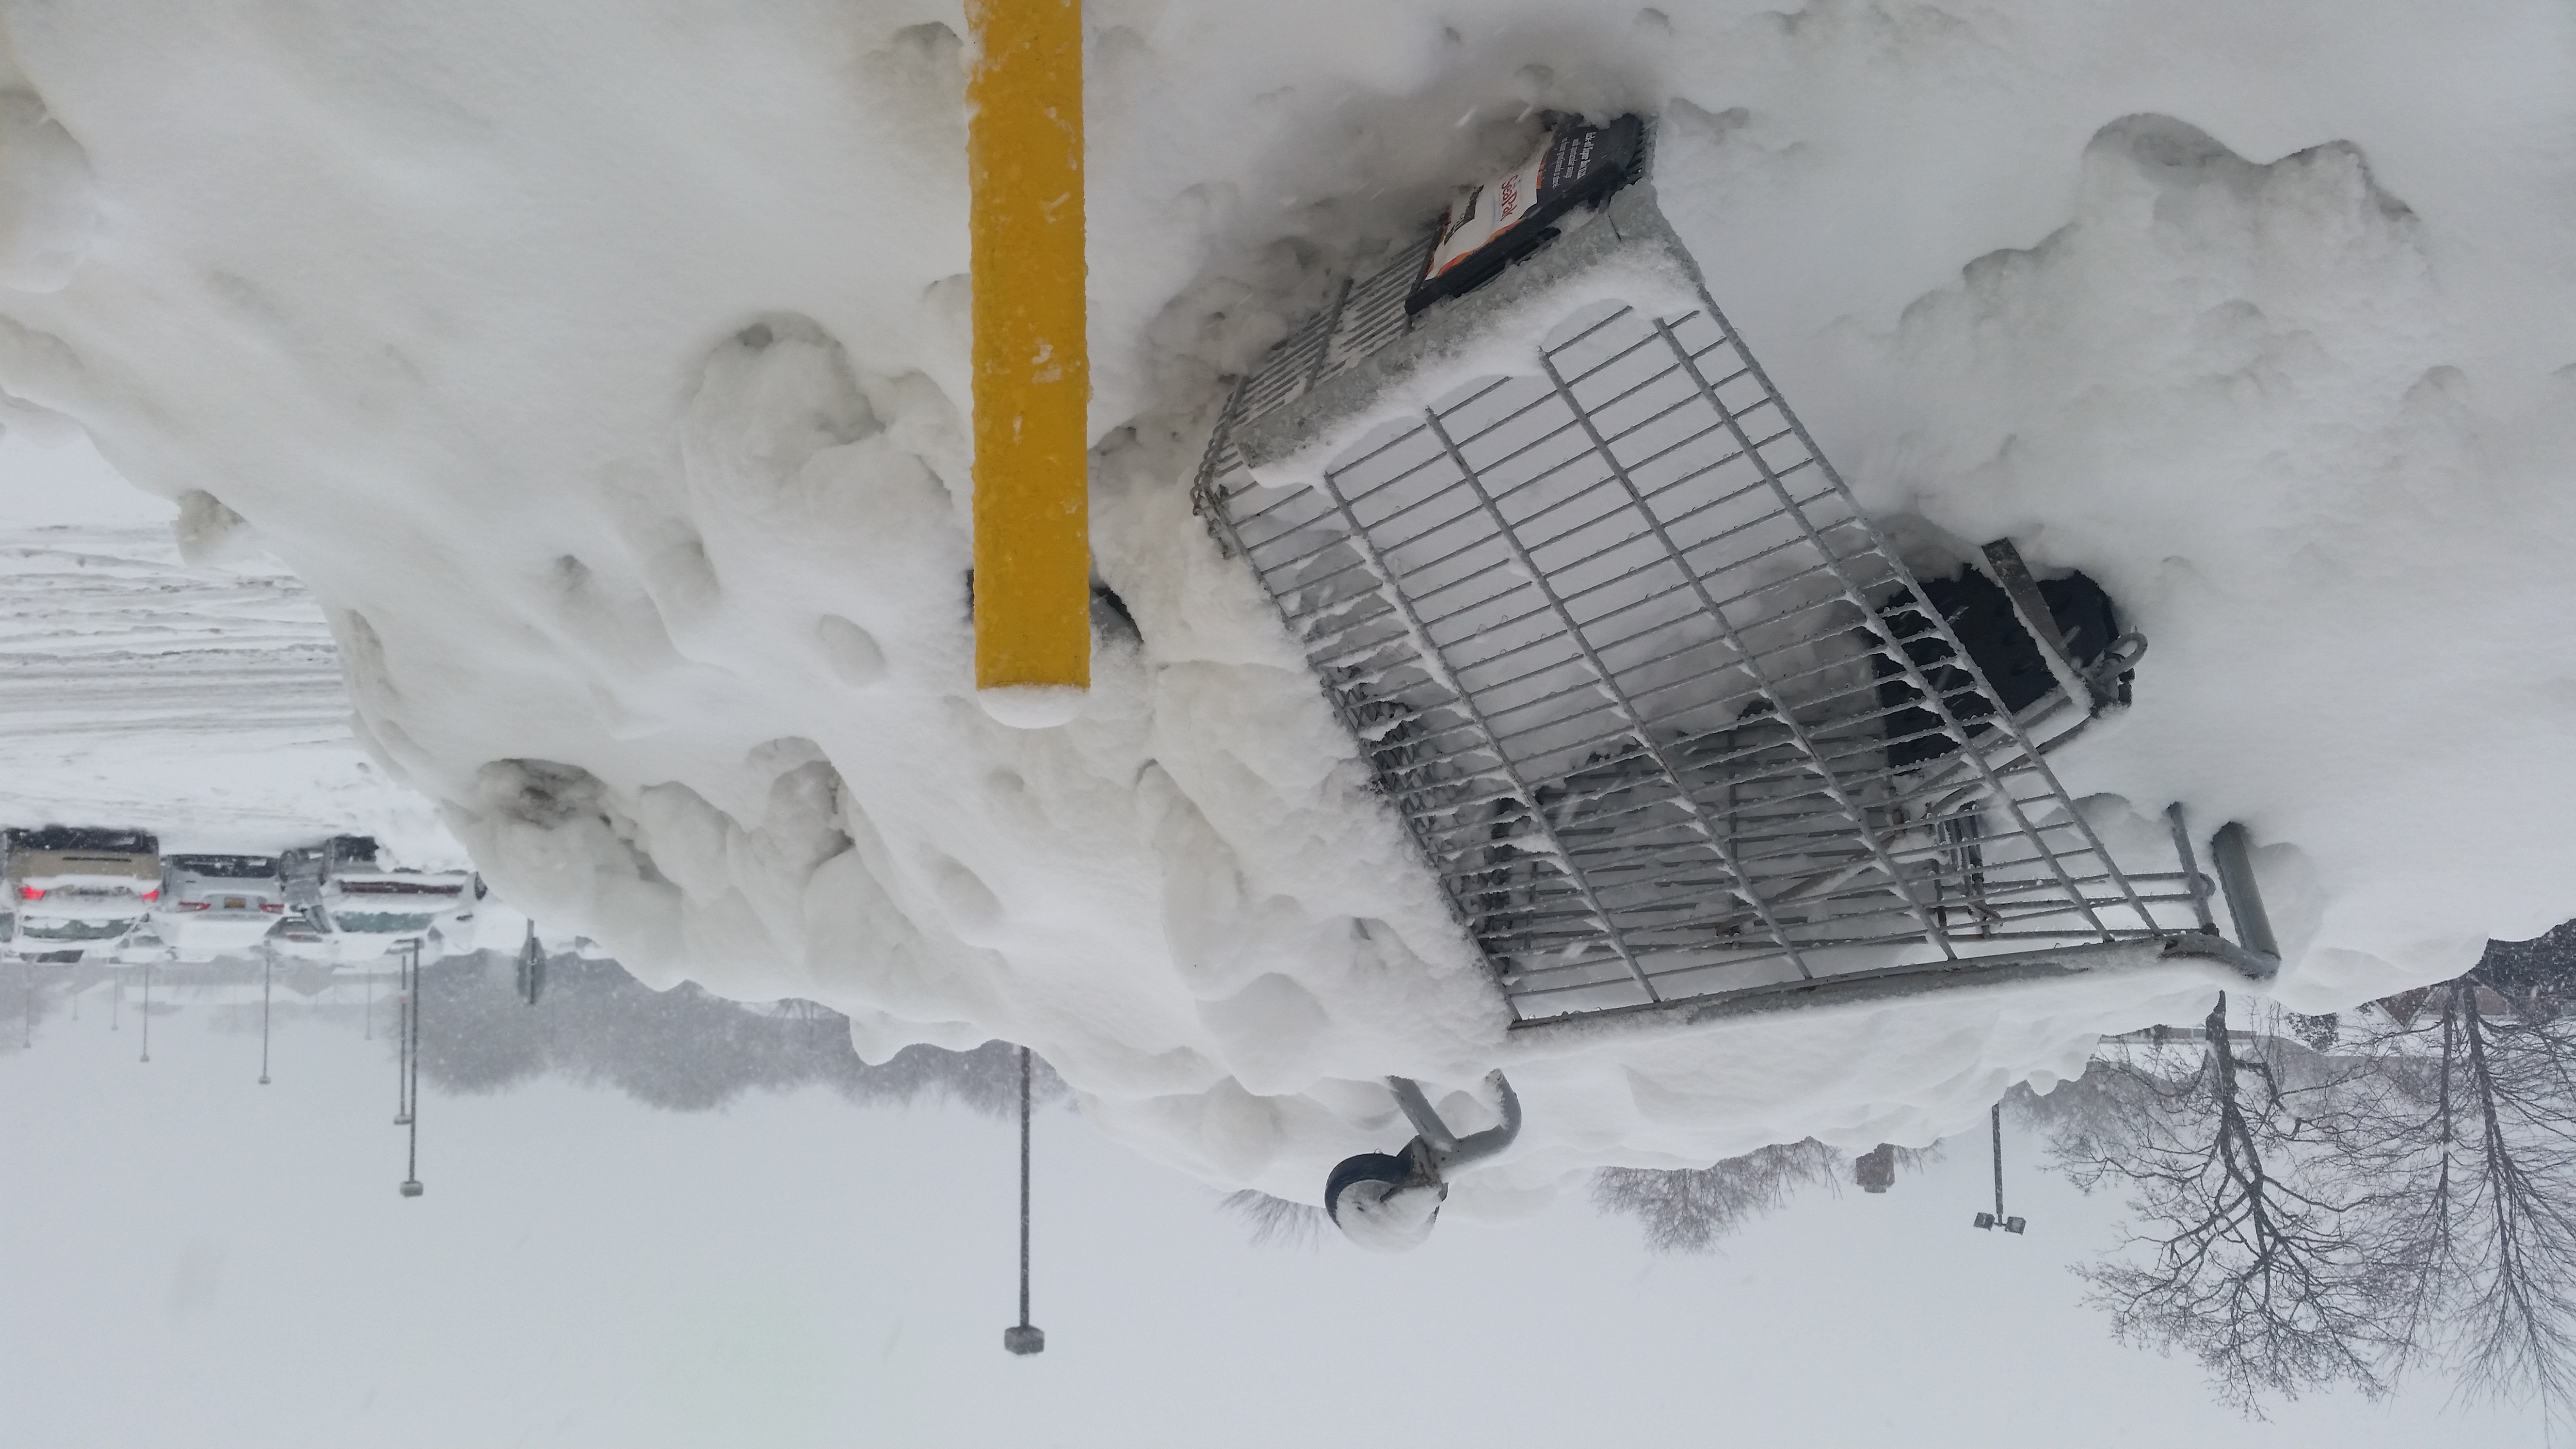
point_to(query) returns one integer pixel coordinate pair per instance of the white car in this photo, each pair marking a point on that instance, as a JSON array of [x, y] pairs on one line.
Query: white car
[[342, 893], [300, 938], [77, 890], [212, 905]]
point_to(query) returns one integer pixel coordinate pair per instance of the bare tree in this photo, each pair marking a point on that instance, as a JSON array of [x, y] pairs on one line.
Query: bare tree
[[2252, 1261], [2473, 1152], [2349, 1197], [1688, 1210], [682, 1050]]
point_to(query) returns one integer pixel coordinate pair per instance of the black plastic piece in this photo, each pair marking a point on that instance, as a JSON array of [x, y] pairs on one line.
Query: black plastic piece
[[1364, 1167], [1981, 615]]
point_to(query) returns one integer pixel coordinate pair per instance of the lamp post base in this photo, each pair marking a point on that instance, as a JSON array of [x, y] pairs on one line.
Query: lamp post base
[[1024, 1338]]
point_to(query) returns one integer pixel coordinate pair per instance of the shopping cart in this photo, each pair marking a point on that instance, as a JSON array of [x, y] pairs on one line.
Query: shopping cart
[[1674, 726]]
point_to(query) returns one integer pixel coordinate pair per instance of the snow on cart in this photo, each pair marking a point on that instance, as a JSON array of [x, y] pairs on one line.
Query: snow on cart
[[1679, 731]]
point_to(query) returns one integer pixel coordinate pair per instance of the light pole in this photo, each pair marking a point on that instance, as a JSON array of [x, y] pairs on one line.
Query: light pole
[[402, 1044], [1024, 1337], [1996, 1219], [267, 966], [411, 1110], [147, 1008]]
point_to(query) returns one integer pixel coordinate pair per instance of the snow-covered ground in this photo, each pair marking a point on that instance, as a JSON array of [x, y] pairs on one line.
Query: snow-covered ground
[[601, 368], [207, 1262], [136, 689]]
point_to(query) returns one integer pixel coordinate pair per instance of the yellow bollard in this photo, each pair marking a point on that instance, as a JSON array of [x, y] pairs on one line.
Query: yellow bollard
[[1032, 360]]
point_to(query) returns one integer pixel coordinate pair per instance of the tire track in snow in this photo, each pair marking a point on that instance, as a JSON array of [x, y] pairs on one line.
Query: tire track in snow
[[105, 630]]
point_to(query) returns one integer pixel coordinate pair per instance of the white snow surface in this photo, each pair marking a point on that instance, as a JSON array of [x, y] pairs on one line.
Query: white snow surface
[[602, 368]]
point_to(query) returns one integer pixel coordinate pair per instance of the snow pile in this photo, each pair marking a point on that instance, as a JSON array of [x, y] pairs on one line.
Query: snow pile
[[602, 366], [48, 208]]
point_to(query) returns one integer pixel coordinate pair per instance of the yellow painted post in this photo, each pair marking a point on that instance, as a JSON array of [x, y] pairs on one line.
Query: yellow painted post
[[1032, 361]]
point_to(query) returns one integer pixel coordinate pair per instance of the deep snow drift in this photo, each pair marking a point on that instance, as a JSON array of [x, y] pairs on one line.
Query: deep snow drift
[[601, 366]]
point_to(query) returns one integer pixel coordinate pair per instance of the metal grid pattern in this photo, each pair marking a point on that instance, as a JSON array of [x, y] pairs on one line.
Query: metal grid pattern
[[1366, 314], [1659, 705]]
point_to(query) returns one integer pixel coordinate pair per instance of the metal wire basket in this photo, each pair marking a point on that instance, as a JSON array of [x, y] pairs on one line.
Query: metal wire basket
[[1668, 717]]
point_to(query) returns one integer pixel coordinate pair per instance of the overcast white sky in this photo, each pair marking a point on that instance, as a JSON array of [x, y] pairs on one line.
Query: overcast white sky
[[194, 1259]]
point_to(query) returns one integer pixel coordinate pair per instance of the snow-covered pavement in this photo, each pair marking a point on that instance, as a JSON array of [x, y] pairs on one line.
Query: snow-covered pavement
[[207, 1262]]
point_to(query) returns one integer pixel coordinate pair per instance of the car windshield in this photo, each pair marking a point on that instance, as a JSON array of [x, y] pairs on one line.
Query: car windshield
[[377, 923], [230, 867], [73, 930]]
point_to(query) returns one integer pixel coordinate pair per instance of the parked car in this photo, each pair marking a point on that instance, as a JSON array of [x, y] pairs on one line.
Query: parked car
[[302, 938], [138, 947], [77, 889], [214, 904], [341, 890]]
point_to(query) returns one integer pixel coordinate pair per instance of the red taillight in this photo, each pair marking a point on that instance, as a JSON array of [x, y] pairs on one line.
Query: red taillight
[[153, 894], [30, 893], [191, 905], [272, 907]]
